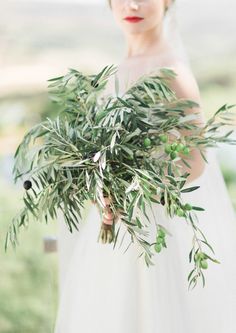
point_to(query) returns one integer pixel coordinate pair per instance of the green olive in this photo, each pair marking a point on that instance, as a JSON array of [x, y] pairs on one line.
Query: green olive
[[203, 264], [180, 212], [186, 150], [179, 147], [163, 138], [173, 155], [167, 148], [161, 233], [187, 206], [159, 240], [147, 142], [199, 256], [202, 255], [157, 247], [173, 145]]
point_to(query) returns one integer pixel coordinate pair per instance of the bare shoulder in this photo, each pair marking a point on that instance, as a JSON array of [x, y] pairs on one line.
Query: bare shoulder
[[185, 86]]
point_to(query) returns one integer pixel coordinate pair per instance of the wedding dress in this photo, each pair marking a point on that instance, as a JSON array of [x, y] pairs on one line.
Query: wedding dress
[[105, 290]]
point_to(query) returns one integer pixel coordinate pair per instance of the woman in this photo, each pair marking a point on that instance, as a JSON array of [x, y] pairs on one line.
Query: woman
[[104, 290], [147, 49]]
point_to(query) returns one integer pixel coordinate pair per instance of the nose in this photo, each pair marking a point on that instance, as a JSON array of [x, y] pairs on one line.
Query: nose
[[133, 5]]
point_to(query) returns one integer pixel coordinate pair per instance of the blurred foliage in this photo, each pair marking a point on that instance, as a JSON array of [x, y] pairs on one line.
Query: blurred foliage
[[28, 292], [24, 110]]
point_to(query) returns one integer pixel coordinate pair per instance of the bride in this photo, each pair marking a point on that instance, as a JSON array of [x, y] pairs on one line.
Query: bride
[[105, 290]]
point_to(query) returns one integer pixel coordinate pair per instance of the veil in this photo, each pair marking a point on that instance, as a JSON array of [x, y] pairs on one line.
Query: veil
[[219, 218], [172, 34], [171, 30]]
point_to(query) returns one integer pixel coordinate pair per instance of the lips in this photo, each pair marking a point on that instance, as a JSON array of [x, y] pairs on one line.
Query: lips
[[133, 19]]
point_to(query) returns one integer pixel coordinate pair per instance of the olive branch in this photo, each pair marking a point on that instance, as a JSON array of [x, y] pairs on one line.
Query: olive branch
[[121, 147]]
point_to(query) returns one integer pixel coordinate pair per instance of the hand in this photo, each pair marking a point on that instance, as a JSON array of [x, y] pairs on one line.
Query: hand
[[106, 234], [107, 213]]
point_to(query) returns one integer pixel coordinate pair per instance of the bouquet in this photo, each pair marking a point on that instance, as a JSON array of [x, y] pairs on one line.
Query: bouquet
[[126, 148]]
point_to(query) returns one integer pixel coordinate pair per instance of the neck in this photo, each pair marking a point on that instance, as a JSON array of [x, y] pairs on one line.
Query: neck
[[144, 44]]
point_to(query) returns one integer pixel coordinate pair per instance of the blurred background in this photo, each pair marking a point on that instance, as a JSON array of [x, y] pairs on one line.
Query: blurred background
[[41, 40]]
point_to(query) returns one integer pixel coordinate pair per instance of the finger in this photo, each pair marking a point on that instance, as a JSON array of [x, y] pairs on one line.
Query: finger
[[108, 221], [108, 215], [107, 209], [107, 200], [116, 219]]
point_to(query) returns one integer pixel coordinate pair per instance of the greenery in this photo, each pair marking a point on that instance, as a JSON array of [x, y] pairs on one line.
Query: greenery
[[29, 280], [109, 147]]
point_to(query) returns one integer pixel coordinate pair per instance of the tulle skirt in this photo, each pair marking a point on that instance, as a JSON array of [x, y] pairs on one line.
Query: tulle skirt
[[109, 290]]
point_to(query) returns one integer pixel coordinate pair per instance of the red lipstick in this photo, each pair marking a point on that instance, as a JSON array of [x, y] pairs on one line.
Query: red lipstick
[[133, 19]]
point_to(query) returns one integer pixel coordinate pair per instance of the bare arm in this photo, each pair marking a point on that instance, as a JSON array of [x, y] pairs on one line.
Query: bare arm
[[185, 86]]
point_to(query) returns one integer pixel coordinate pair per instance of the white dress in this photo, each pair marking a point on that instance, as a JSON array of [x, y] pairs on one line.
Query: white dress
[[104, 290]]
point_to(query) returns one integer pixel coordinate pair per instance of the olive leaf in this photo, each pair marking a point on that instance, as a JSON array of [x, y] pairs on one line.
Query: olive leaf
[[114, 147]]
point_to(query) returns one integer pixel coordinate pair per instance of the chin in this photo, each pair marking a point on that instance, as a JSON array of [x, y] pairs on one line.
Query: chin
[[138, 28], [134, 29]]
